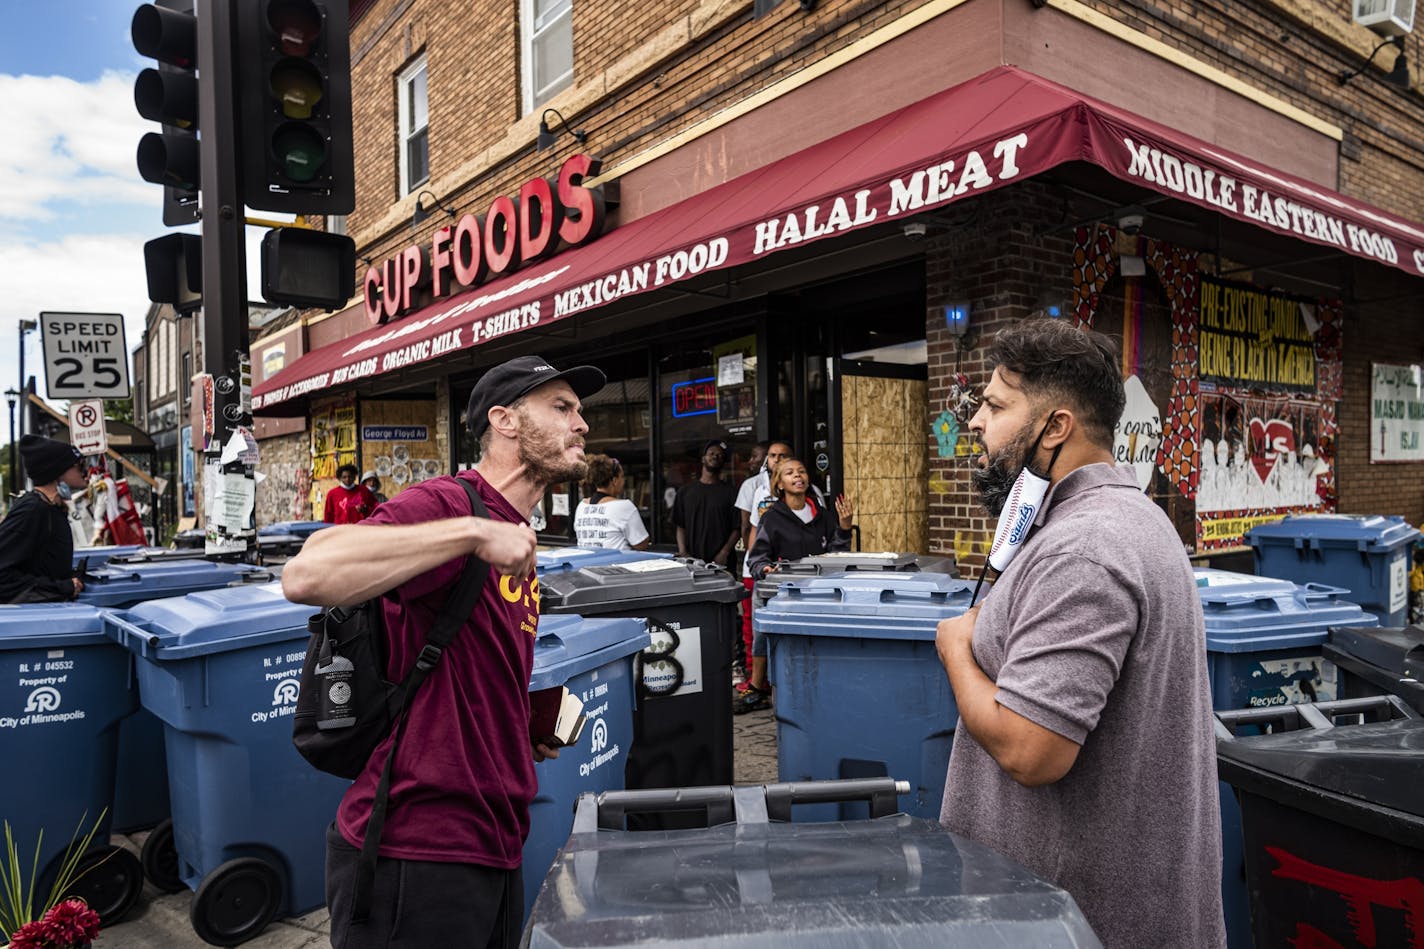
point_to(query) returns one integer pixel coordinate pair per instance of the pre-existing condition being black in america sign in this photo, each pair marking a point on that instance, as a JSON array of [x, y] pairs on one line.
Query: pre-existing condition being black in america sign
[[1248, 338]]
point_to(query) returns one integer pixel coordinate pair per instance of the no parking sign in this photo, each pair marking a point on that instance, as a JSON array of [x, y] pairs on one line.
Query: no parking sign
[[86, 427]]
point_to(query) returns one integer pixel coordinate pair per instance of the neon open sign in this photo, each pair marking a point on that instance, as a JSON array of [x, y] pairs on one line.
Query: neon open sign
[[695, 397]]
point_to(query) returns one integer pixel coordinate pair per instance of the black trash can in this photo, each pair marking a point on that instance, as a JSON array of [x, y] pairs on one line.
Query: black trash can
[[1379, 662], [758, 881], [682, 728], [1332, 819]]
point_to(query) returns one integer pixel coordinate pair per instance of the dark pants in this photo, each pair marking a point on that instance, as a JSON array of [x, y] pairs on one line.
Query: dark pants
[[419, 904]]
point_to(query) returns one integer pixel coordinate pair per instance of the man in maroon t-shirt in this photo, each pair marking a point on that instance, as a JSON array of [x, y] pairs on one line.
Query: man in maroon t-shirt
[[463, 777]]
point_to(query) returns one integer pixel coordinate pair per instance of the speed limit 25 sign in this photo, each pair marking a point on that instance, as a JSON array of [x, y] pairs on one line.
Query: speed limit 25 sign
[[86, 356]]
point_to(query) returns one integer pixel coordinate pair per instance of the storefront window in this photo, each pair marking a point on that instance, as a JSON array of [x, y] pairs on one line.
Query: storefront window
[[705, 391]]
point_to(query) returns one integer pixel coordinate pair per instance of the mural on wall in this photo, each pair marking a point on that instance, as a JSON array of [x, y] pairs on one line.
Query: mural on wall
[[333, 444], [1236, 407]]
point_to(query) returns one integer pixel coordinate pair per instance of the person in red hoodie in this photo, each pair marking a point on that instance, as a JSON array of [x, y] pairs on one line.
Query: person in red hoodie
[[348, 502]]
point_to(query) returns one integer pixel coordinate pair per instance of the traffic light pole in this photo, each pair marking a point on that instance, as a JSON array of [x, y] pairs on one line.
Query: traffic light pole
[[230, 521]]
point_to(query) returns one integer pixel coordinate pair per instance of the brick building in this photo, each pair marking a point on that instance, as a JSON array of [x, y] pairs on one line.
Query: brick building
[[803, 201]]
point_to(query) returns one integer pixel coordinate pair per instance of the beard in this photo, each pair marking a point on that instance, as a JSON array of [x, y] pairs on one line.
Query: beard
[[994, 483], [542, 454]]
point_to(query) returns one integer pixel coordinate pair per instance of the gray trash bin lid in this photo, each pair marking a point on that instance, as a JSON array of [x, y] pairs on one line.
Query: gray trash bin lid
[[897, 881], [634, 584]]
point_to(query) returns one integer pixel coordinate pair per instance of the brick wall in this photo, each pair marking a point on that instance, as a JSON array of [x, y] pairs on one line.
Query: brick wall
[[282, 495], [1006, 249]]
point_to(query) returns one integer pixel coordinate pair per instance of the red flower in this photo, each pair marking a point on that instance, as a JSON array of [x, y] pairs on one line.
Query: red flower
[[72, 922], [30, 936]]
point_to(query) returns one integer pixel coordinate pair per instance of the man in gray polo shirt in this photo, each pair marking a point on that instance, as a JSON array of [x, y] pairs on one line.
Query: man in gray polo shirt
[[1085, 748]]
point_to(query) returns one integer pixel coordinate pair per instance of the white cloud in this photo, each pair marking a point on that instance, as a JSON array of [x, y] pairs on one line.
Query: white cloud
[[69, 141]]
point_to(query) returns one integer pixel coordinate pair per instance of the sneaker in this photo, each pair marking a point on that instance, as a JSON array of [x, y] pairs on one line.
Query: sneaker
[[739, 674], [741, 688], [754, 700]]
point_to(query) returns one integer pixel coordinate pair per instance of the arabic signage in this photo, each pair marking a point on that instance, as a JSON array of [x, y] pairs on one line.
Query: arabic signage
[[1396, 413]]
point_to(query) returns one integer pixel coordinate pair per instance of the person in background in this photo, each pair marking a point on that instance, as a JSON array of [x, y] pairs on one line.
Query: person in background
[[36, 546], [348, 502], [604, 518], [371, 483], [745, 496], [796, 526], [703, 511]]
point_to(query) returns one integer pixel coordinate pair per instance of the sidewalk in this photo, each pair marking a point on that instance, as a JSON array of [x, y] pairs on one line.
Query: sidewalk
[[161, 919]]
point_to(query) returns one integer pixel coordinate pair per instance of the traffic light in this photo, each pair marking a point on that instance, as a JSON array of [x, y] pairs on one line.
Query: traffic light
[[168, 95], [174, 267], [294, 86], [302, 267]]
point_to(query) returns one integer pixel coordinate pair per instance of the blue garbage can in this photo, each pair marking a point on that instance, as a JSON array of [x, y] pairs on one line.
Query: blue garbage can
[[1265, 640], [592, 658], [301, 529], [141, 792], [1368, 555], [860, 692], [221, 670], [64, 690], [98, 556]]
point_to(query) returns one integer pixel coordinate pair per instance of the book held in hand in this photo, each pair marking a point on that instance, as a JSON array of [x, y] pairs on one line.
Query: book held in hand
[[555, 717]]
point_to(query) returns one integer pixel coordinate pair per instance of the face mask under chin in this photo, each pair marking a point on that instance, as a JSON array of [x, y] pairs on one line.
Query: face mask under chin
[[64, 491]]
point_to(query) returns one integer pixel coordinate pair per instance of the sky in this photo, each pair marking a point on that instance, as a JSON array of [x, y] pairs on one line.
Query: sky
[[74, 213]]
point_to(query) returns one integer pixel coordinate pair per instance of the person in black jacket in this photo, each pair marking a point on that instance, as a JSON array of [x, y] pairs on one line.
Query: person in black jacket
[[795, 526], [36, 546]]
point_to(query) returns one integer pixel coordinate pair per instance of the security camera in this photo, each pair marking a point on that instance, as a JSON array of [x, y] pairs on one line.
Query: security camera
[[1130, 220], [915, 231]]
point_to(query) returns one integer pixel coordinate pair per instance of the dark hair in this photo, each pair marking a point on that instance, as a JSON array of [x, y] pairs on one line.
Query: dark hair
[[1056, 361], [355, 472], [601, 470]]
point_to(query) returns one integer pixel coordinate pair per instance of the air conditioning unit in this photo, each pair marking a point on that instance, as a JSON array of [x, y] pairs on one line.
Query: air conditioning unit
[[1386, 17]]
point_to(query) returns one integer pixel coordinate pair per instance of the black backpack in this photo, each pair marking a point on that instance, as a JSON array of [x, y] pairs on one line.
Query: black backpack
[[347, 706]]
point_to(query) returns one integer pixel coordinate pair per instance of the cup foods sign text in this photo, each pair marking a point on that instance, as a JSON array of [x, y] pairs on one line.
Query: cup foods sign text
[[545, 217]]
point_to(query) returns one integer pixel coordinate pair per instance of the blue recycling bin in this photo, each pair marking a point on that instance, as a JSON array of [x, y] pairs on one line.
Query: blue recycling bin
[[303, 529], [593, 658], [569, 559], [98, 556], [1368, 555], [221, 669], [1264, 642], [64, 690], [141, 792], [860, 691]]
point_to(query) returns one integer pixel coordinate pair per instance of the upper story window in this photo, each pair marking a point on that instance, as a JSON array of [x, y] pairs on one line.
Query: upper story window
[[414, 127], [547, 41], [336, 224]]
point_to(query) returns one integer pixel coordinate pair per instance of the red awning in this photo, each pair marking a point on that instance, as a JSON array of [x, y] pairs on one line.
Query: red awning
[[1004, 126]]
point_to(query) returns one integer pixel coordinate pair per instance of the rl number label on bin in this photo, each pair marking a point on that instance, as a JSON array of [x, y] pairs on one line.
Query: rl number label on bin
[[683, 675], [595, 740], [282, 672], [40, 695]]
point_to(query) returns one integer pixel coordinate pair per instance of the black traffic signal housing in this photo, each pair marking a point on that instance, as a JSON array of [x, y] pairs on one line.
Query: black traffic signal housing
[[302, 267], [294, 89], [173, 264], [167, 32]]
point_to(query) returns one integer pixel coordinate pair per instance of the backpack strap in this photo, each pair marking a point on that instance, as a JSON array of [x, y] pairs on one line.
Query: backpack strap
[[448, 624]]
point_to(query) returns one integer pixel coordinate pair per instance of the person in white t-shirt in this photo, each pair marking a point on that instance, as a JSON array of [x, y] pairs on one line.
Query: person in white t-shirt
[[603, 518]]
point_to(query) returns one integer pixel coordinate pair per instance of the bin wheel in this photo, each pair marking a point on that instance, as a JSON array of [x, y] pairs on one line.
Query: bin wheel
[[110, 881], [236, 901], [160, 858]]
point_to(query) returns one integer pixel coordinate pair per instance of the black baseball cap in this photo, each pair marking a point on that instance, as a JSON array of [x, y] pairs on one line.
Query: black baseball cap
[[714, 443], [505, 383]]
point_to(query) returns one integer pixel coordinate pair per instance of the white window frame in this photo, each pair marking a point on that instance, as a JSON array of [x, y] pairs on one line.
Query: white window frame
[[528, 33], [405, 132]]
